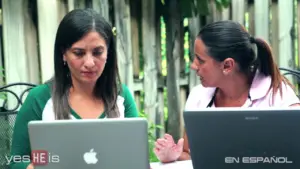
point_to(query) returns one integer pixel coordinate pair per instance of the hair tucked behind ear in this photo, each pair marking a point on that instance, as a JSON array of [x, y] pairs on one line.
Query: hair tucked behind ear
[[267, 65]]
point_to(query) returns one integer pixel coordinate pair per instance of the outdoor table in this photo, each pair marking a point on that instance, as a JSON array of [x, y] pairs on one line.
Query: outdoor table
[[174, 165]]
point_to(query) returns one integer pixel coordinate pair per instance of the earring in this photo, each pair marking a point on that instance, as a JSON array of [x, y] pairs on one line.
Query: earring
[[251, 68]]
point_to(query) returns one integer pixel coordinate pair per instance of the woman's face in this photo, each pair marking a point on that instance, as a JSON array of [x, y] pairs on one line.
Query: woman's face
[[209, 70], [86, 58]]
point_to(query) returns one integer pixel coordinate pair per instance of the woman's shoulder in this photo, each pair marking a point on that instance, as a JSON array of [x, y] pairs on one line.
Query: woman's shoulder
[[263, 94], [124, 90], [35, 102], [39, 95], [285, 97], [126, 102], [41, 91], [199, 97], [125, 97]]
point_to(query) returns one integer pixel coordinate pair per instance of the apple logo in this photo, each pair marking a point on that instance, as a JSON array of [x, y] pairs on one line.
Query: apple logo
[[90, 157]]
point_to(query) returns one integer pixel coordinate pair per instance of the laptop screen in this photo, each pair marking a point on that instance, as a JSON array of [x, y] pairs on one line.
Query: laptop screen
[[232, 139]]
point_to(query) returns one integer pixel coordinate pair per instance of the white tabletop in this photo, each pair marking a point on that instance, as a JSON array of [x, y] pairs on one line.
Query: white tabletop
[[175, 165]]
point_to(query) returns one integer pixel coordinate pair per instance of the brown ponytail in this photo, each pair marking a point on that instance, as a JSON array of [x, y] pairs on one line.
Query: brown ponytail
[[268, 67]]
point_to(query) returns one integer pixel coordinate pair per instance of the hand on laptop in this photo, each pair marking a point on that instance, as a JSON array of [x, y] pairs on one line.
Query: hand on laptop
[[167, 150], [30, 166]]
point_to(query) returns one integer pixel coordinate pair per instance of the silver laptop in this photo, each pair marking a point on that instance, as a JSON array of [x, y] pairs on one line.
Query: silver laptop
[[90, 144], [235, 138]]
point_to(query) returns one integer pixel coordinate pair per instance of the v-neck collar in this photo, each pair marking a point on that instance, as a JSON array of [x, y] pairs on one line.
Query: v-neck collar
[[78, 117]]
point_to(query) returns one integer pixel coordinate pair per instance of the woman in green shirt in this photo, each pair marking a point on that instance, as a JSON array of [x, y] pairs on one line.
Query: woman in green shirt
[[86, 82]]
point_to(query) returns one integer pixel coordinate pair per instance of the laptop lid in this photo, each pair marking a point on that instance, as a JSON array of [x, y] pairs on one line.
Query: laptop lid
[[90, 144], [235, 138]]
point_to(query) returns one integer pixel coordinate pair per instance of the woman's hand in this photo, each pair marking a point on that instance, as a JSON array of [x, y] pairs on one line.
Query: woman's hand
[[30, 166], [167, 150]]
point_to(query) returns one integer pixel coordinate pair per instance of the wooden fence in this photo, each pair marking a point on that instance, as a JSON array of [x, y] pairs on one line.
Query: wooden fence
[[143, 45]]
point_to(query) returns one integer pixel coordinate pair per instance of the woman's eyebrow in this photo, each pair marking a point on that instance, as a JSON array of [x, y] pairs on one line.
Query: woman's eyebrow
[[99, 48], [77, 48]]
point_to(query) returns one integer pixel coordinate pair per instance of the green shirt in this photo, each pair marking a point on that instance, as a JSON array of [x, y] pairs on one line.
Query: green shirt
[[38, 106]]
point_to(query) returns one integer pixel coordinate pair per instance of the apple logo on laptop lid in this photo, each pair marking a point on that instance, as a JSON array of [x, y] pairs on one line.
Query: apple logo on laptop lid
[[90, 157]]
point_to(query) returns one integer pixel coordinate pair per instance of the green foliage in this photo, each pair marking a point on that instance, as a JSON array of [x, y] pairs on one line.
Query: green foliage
[[163, 46], [151, 138], [190, 7], [186, 56], [222, 4]]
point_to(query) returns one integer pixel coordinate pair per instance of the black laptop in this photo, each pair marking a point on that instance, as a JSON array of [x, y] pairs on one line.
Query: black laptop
[[240, 138]]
